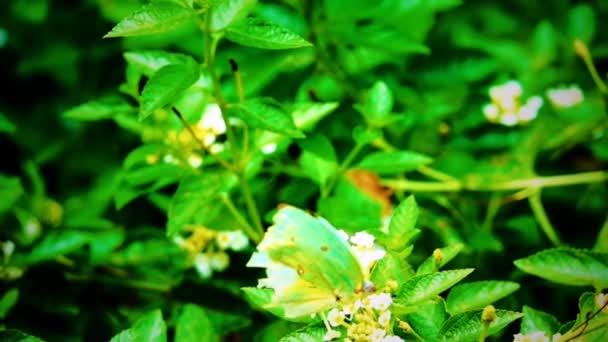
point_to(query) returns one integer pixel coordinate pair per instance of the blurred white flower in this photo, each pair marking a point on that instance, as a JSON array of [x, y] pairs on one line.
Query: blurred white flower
[[219, 261], [202, 263], [362, 239], [380, 301], [234, 240], [565, 97], [537, 336], [506, 107]]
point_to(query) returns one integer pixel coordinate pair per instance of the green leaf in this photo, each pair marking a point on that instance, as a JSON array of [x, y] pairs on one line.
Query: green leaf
[[104, 108], [421, 288], [391, 267], [151, 328], [150, 61], [476, 295], [193, 324], [12, 335], [196, 200], [378, 103], [576, 267], [156, 17], [104, 243], [265, 113], [439, 258], [307, 114], [393, 162], [263, 34], [10, 191], [227, 12], [311, 333], [364, 136], [6, 126], [58, 243], [582, 23], [401, 228], [536, 320], [8, 300], [467, 327], [146, 252], [428, 319], [318, 159], [165, 86], [348, 199]]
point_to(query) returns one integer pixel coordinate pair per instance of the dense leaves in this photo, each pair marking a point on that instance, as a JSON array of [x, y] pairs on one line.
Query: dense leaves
[[255, 170]]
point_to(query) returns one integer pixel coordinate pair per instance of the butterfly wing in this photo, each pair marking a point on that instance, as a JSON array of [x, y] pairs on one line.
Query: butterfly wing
[[322, 265]]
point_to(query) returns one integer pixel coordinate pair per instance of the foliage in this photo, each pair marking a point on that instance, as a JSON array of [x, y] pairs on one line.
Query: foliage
[[303, 171]]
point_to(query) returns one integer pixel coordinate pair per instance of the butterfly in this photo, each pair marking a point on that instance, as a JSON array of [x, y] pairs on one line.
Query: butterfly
[[309, 265]]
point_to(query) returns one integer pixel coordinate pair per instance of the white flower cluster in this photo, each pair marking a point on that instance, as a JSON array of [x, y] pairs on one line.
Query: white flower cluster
[[207, 130], [506, 107], [565, 97], [537, 336], [368, 318], [207, 248]]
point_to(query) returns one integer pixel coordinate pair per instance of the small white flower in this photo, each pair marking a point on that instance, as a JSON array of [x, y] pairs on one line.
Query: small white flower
[[219, 261], [235, 240], [8, 248], [335, 317], [384, 319], [392, 338], [508, 119], [216, 148], [565, 97], [331, 335], [195, 160], [380, 301], [491, 111], [202, 263], [32, 228], [169, 159], [362, 239], [537, 336], [530, 110], [378, 334], [212, 119], [367, 257], [269, 148]]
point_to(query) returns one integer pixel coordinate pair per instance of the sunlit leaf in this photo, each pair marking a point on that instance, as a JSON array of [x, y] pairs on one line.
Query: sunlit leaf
[[166, 84], [263, 34], [156, 17], [476, 295], [576, 267]]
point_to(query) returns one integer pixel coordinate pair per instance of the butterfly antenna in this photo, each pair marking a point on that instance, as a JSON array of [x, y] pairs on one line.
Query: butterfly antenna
[[583, 326]]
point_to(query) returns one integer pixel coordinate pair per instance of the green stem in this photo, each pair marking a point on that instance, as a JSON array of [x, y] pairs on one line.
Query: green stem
[[543, 220], [601, 243], [491, 212], [250, 204], [325, 191], [584, 53], [211, 43], [246, 227], [517, 184], [484, 332]]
